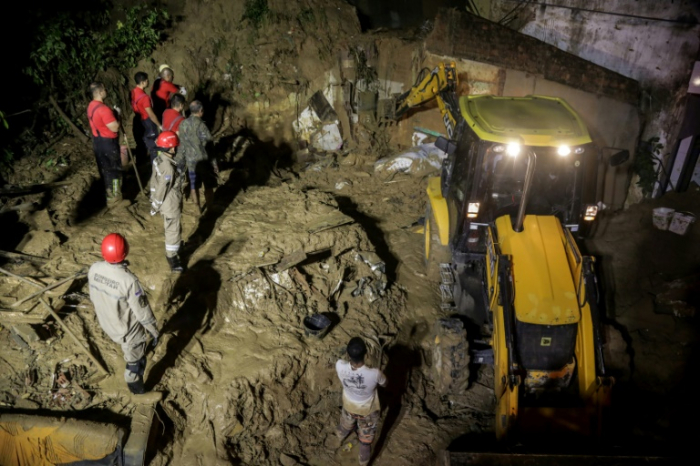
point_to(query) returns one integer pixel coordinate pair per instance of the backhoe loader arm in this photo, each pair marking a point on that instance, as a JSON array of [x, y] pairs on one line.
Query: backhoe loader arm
[[440, 84]]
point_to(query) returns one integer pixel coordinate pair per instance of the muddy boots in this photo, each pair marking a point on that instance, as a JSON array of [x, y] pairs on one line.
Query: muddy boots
[[365, 453], [194, 197], [134, 376], [175, 265], [114, 192]]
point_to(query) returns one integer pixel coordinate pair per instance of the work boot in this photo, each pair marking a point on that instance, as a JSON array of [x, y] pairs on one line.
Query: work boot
[[137, 388], [117, 189], [365, 453], [174, 263]]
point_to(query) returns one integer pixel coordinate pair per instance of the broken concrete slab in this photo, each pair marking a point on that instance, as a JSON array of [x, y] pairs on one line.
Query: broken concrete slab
[[26, 332], [41, 220], [332, 220], [39, 243]]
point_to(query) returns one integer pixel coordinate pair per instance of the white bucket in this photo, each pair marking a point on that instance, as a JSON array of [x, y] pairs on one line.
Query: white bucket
[[662, 217], [680, 224]]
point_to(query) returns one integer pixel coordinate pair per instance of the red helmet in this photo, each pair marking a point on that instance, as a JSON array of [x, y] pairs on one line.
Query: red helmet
[[167, 140], [114, 248]]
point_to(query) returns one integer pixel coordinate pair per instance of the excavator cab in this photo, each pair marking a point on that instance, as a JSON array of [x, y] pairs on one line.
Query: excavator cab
[[484, 176]]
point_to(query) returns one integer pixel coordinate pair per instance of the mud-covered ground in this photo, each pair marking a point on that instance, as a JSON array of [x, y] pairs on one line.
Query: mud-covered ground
[[242, 381]]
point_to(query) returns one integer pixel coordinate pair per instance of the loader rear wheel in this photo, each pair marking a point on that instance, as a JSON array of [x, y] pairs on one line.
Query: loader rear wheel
[[435, 252], [450, 369]]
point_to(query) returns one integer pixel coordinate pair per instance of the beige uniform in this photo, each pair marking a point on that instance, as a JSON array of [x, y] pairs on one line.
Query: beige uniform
[[123, 312], [166, 198]]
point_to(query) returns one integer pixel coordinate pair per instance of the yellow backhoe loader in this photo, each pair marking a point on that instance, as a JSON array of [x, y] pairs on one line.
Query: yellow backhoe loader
[[518, 183]]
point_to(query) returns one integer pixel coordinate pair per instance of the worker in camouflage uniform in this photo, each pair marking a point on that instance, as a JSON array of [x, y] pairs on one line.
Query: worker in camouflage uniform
[[194, 136], [122, 308], [166, 194]]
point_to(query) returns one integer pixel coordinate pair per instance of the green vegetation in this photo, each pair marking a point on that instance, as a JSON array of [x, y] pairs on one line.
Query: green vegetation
[[257, 12], [647, 164], [69, 52], [306, 16]]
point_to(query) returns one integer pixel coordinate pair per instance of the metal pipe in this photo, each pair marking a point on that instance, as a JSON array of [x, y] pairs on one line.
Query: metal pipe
[[529, 175]]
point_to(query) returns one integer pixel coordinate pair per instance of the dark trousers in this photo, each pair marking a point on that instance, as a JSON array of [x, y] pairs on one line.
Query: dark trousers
[[150, 133], [203, 174], [108, 158]]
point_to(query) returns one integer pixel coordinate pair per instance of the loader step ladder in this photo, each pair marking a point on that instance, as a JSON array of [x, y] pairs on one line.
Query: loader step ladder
[[447, 281]]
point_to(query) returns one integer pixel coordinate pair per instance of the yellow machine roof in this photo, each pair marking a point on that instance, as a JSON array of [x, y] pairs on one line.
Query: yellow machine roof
[[532, 120], [544, 289]]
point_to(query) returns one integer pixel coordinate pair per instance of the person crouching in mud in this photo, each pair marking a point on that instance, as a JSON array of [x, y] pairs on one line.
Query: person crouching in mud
[[360, 400]]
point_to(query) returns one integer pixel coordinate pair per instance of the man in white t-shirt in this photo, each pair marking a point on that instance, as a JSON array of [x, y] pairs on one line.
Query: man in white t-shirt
[[360, 400]]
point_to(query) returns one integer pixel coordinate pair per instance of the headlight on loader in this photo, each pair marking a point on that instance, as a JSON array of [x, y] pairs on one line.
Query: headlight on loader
[[513, 149], [564, 150], [591, 212], [472, 210]]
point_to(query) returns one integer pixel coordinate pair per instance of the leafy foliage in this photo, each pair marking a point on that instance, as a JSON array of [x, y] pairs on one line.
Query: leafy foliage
[[137, 36], [70, 51], [645, 164], [256, 11]]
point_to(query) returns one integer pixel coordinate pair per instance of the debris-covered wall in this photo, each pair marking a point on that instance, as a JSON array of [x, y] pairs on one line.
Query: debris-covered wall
[[491, 59], [257, 68]]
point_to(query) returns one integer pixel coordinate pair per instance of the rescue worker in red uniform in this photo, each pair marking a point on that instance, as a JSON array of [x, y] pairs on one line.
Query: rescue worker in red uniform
[[122, 308], [163, 90], [105, 141], [166, 195], [142, 105], [172, 117]]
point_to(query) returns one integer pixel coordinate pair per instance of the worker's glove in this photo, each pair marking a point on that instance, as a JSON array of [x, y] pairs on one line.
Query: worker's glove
[[118, 110], [183, 91]]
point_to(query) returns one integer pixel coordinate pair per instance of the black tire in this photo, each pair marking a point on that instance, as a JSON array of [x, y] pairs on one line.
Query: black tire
[[434, 252], [450, 368]]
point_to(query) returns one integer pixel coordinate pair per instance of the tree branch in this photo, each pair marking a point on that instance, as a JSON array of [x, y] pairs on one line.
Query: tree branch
[[62, 114]]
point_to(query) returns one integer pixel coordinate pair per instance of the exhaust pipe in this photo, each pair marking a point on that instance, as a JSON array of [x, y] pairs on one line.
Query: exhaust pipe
[[529, 174]]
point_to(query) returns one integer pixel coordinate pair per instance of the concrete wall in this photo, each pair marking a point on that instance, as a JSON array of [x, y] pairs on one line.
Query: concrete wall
[[493, 59], [612, 123]]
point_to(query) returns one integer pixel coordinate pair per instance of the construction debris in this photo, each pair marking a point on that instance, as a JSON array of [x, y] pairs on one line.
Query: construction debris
[[417, 161]]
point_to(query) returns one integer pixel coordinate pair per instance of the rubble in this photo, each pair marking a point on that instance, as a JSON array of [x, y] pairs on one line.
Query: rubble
[[679, 298], [419, 160]]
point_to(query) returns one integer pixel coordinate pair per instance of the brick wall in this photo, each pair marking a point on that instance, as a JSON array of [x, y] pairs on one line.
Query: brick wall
[[463, 35]]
